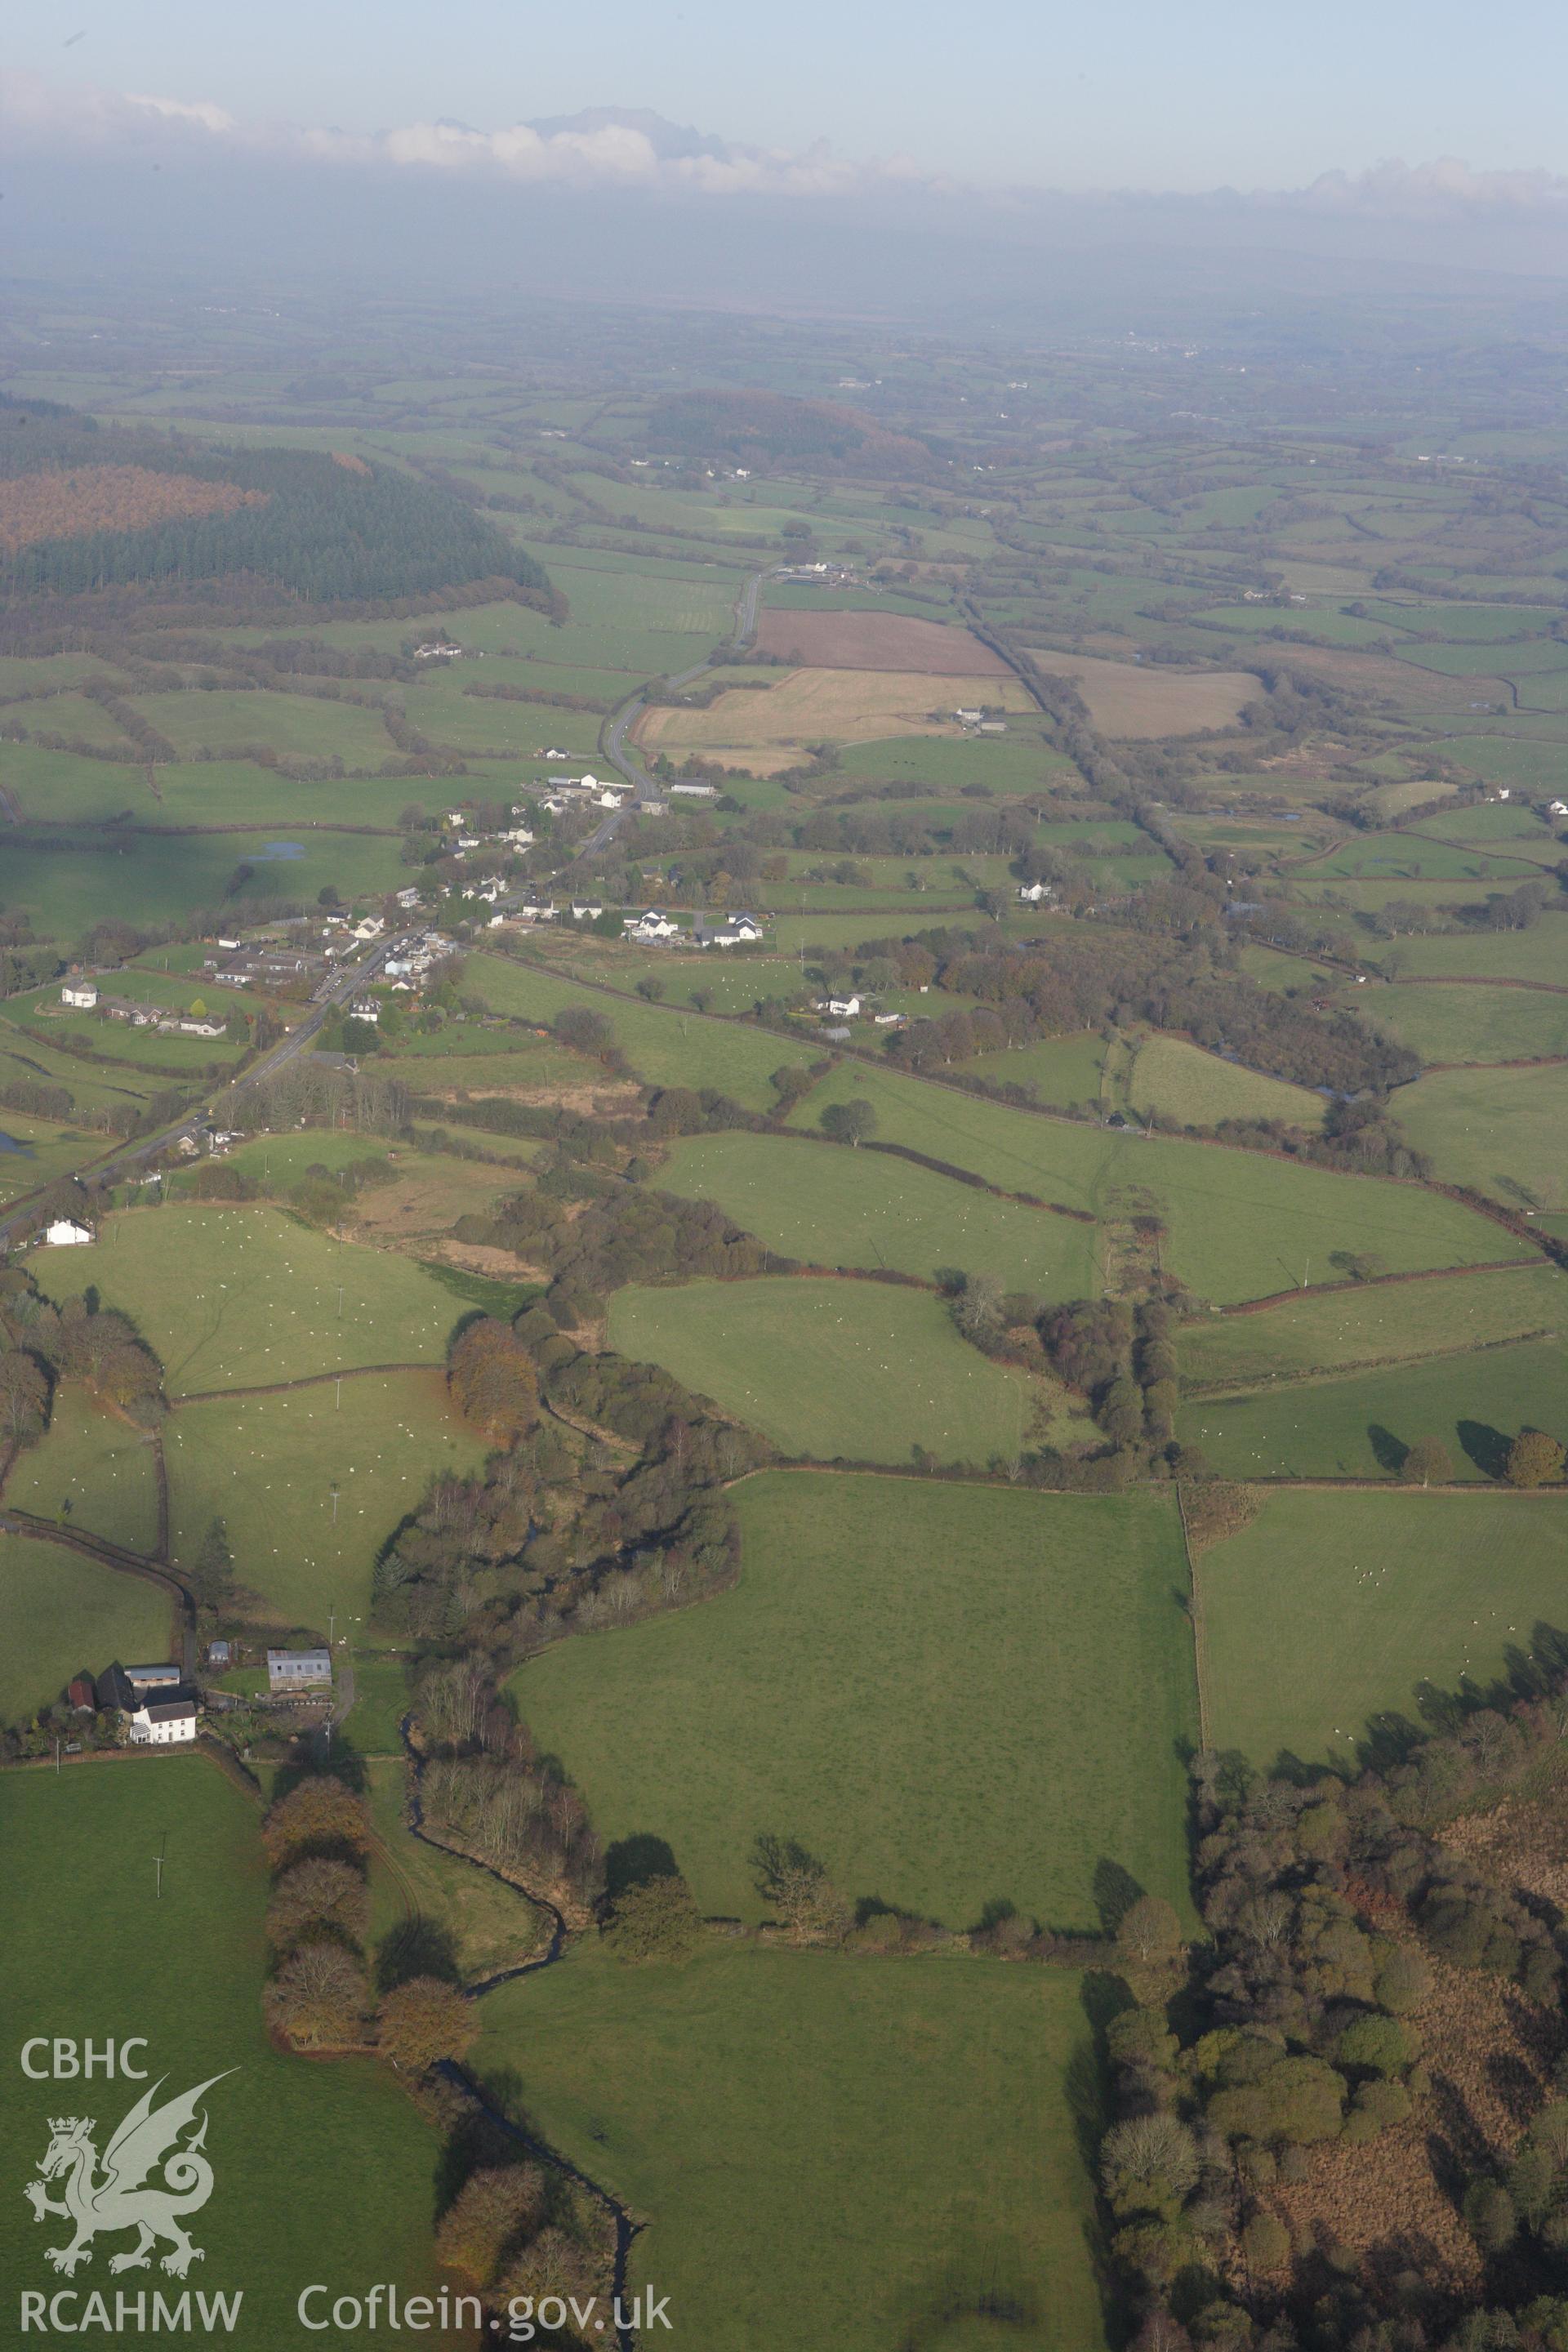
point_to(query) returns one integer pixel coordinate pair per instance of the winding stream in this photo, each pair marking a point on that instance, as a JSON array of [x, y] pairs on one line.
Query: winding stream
[[627, 2229]]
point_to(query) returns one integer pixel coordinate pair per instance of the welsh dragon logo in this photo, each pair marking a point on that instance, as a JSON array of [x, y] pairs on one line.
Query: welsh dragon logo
[[117, 2199]]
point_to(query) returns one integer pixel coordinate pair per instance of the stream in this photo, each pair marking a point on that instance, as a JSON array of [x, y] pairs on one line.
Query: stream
[[450, 2072]]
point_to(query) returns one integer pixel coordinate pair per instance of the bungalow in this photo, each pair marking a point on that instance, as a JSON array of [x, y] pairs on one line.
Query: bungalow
[[199, 1024], [553, 751], [166, 1723], [694, 792], [82, 994], [65, 1234], [1033, 894], [291, 1670], [888, 1019], [586, 911]]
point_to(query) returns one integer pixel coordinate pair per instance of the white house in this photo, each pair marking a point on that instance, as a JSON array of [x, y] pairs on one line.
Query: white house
[[409, 897], [370, 927], [364, 1008], [651, 925], [65, 1233], [1034, 893], [969, 718], [166, 1723], [1557, 808], [734, 931], [845, 1007], [888, 1019], [586, 912], [80, 993]]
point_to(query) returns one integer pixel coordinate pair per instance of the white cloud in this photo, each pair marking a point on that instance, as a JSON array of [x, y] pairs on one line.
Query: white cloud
[[1429, 191], [609, 149], [608, 154]]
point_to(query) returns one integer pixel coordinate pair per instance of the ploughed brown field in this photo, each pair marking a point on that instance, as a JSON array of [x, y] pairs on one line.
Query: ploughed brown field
[[106, 497], [876, 641], [764, 731], [1125, 698]]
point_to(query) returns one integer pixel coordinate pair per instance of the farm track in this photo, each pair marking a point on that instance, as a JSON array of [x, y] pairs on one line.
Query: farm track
[[1322, 1375], [1376, 1281], [304, 1380]]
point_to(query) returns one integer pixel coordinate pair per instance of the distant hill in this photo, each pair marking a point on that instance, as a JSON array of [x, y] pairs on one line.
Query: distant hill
[[85, 507], [748, 427]]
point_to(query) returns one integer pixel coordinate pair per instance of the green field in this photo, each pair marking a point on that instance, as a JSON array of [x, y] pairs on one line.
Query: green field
[[860, 2154], [323, 2172], [230, 1298], [66, 883], [1470, 1024], [267, 1466], [951, 1693], [1540, 953], [63, 1613], [666, 1047], [1503, 1132], [855, 1370], [295, 725], [832, 1207], [1174, 1081], [37, 1150], [89, 1469], [1058, 1069], [1331, 1609], [1240, 1224], [489, 1925], [1359, 1427], [1375, 1323]]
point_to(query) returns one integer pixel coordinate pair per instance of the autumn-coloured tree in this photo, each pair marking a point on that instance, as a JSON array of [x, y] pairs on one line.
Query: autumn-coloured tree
[[319, 1816], [1534, 1459], [423, 2020], [490, 2213], [1427, 1459], [320, 1997], [553, 2264], [24, 1398], [492, 1380], [1150, 1932], [658, 1919], [319, 1893]]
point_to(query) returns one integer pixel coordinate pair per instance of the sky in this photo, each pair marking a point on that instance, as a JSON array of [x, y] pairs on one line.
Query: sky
[[1142, 94]]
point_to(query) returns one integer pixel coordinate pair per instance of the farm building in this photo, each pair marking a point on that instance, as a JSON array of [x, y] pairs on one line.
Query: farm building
[[82, 994], [291, 1670], [220, 1653], [80, 1694]]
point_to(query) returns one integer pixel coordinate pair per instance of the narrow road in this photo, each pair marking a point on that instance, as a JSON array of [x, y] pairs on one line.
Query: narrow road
[[613, 742]]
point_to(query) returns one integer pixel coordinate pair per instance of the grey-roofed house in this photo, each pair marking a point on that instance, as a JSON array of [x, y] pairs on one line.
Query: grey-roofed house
[[291, 1670]]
